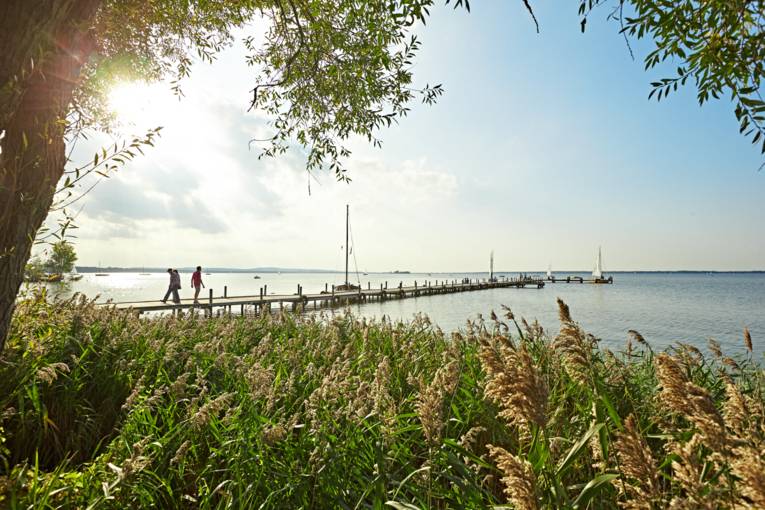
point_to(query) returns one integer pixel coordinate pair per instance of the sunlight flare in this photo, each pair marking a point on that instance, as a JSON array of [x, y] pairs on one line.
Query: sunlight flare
[[139, 103]]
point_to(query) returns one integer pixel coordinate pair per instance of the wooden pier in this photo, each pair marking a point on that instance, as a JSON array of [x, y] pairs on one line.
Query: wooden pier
[[579, 279], [329, 298]]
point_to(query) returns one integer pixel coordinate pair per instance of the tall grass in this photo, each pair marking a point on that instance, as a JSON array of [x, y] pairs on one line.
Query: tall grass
[[99, 409]]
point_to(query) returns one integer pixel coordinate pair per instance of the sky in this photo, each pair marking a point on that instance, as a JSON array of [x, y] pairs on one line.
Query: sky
[[543, 147]]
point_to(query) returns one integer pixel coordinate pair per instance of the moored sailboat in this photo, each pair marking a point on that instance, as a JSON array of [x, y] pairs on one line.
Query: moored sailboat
[[347, 285], [597, 273]]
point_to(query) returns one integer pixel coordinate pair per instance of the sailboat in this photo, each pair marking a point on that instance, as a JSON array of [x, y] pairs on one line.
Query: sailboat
[[74, 275], [99, 267], [347, 285], [549, 272], [597, 273]]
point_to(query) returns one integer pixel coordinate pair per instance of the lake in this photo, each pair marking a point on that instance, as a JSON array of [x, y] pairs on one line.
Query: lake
[[663, 307]]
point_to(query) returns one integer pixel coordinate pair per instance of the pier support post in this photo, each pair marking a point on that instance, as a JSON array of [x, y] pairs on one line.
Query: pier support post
[[225, 291]]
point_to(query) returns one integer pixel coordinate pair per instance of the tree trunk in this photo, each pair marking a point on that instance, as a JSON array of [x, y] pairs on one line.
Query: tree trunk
[[54, 34]]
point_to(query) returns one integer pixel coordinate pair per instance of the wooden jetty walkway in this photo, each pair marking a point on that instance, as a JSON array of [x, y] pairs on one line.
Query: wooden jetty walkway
[[328, 298], [578, 279]]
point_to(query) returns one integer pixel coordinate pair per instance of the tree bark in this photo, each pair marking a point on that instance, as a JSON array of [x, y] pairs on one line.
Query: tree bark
[[43, 54]]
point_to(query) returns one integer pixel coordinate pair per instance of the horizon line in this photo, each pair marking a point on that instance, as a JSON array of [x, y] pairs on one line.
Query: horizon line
[[273, 269]]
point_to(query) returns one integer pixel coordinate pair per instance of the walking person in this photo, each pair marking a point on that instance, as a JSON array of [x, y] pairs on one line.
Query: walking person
[[175, 285], [197, 283]]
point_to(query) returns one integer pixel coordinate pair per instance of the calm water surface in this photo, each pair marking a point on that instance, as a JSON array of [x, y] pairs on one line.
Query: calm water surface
[[663, 307]]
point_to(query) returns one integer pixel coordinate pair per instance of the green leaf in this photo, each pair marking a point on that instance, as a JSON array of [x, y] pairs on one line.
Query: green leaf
[[592, 488], [611, 410], [575, 450]]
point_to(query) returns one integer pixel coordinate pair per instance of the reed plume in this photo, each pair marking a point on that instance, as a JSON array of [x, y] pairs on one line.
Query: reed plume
[[430, 401], [748, 340], [180, 453], [211, 409], [575, 346], [714, 346], [688, 473], [384, 404], [598, 458], [748, 465], [682, 397], [640, 481], [735, 411], [515, 384], [518, 478], [637, 337]]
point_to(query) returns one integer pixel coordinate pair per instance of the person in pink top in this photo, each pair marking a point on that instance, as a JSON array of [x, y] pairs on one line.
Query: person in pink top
[[196, 282]]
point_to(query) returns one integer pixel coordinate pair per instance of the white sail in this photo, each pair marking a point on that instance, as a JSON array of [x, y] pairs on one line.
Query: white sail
[[549, 271], [598, 272]]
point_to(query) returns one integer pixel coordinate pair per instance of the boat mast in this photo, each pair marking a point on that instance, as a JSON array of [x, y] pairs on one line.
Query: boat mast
[[491, 266], [347, 213]]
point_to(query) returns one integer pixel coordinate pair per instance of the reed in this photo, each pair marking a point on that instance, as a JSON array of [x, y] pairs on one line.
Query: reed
[[99, 409]]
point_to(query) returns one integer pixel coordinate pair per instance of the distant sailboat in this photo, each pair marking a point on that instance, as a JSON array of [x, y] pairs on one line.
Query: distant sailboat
[[74, 275], [597, 273], [549, 272], [347, 285], [99, 267]]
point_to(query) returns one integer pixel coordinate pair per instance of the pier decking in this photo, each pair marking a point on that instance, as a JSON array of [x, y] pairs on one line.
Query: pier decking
[[328, 298], [578, 279]]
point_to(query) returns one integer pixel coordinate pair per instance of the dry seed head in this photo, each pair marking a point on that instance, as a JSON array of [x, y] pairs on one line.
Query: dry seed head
[[430, 402], [714, 346], [130, 400], [508, 313], [469, 441], [682, 397], [731, 363], [748, 465], [748, 340], [564, 314], [384, 405], [48, 374], [640, 478], [688, 473], [180, 453], [260, 379], [210, 409], [637, 337], [274, 434], [599, 460], [519, 478], [735, 412], [576, 349], [672, 381], [514, 384], [178, 387]]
